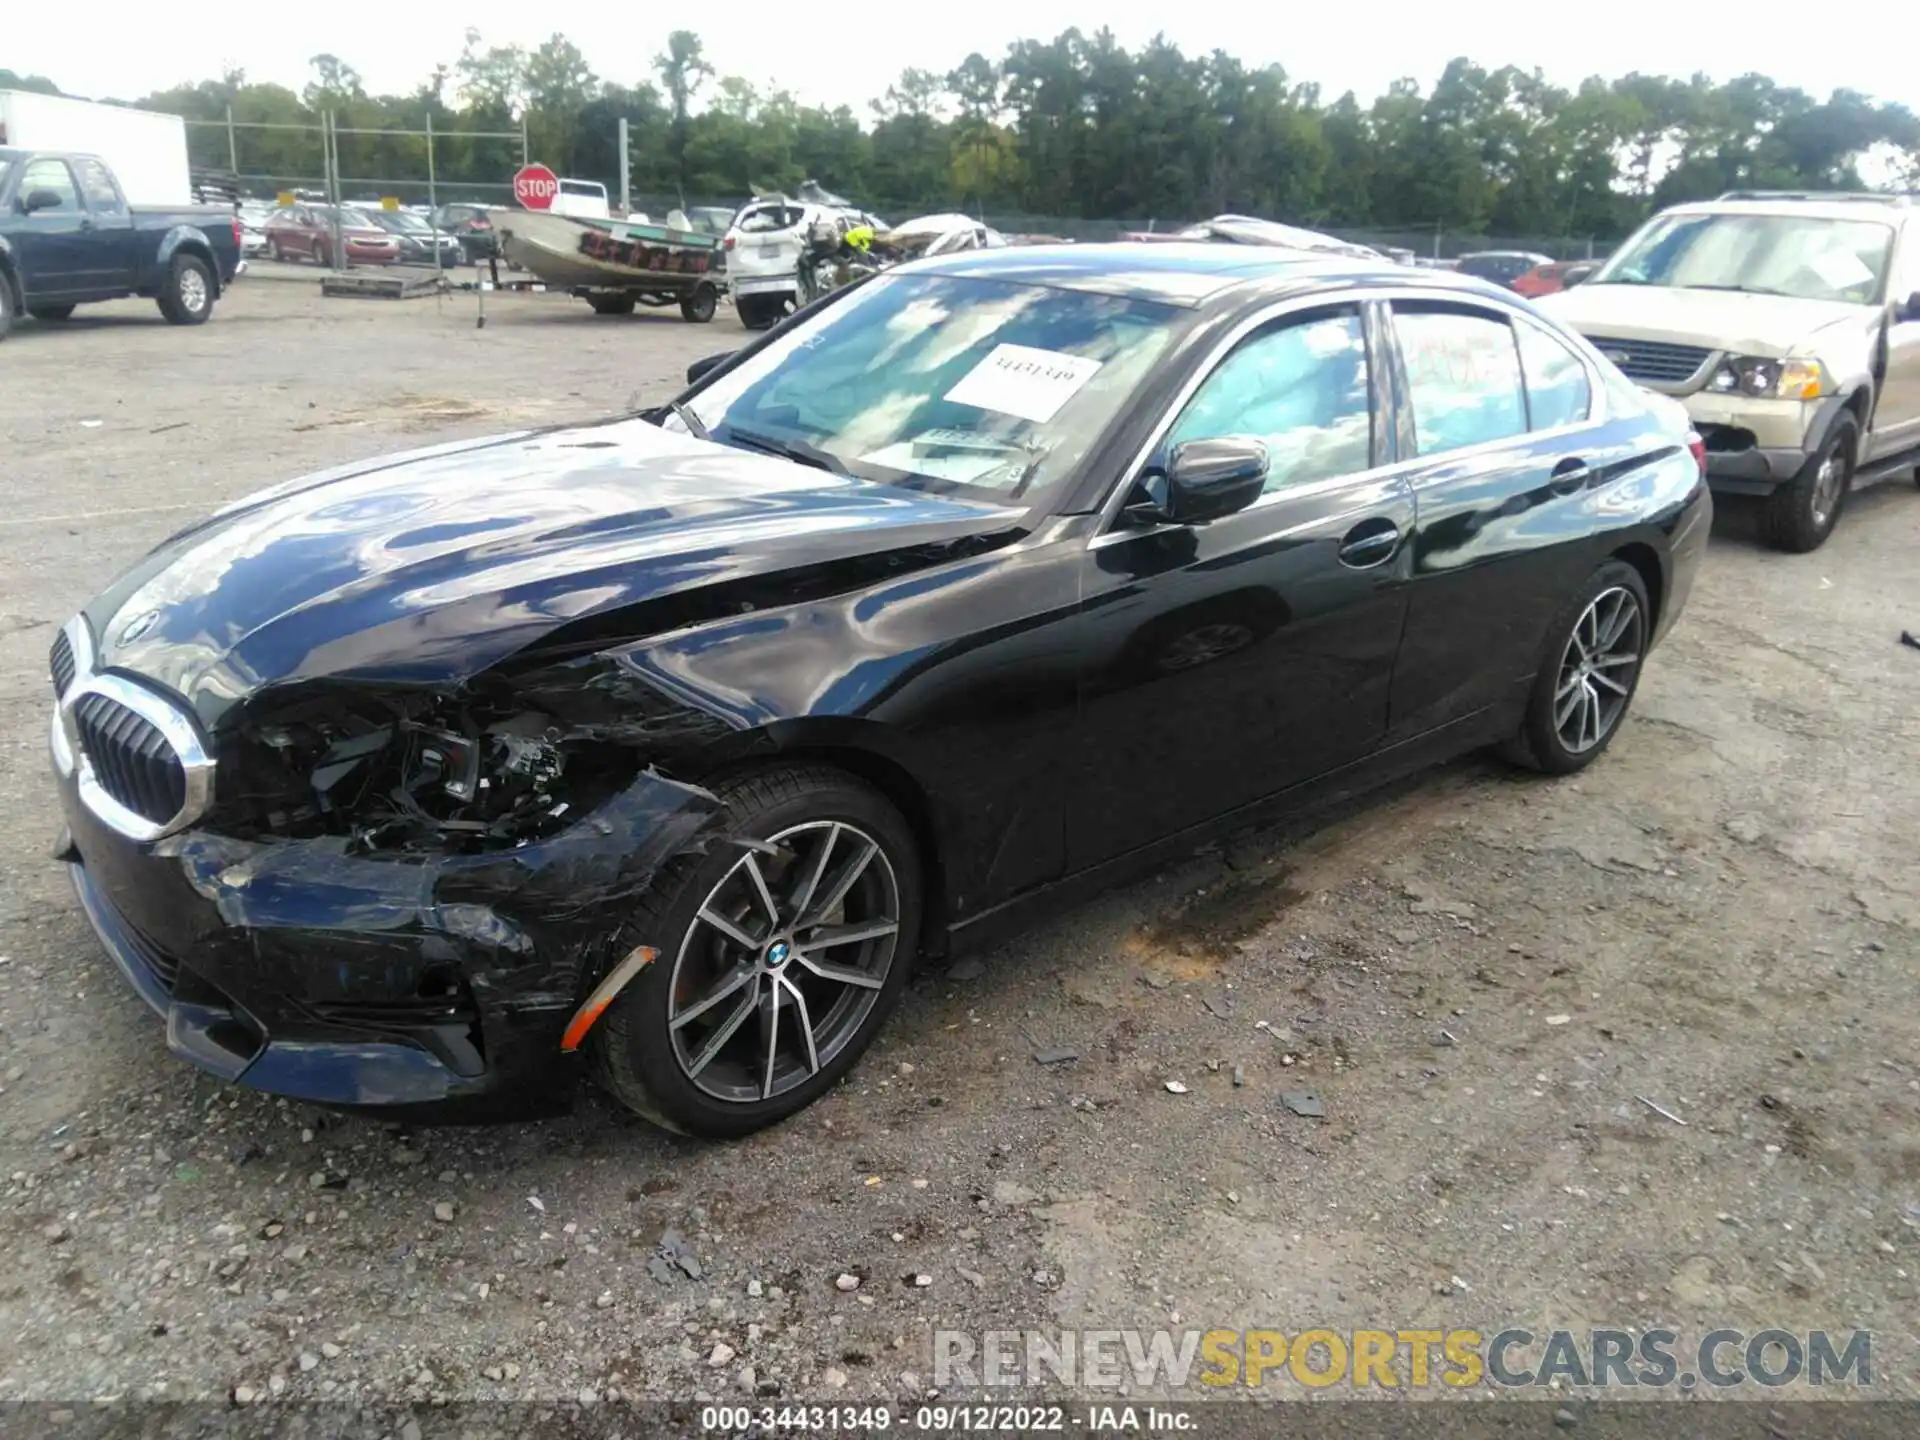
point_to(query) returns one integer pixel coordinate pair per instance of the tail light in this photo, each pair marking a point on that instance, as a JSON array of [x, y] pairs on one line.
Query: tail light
[[1697, 447], [236, 234], [727, 244]]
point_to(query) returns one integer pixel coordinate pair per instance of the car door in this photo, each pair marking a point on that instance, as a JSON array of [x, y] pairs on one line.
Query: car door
[[52, 240], [1896, 414], [1228, 660], [1510, 444], [117, 261]]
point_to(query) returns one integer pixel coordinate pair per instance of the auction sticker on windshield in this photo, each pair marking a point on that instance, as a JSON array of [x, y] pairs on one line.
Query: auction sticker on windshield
[[1021, 381]]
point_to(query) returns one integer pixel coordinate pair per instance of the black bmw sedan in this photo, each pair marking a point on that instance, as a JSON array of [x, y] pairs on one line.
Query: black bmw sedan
[[665, 746]]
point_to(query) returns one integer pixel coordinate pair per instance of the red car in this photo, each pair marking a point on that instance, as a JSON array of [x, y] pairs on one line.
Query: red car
[[1551, 278], [306, 231]]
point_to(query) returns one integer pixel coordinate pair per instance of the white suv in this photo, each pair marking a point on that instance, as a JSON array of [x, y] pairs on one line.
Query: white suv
[[763, 248]]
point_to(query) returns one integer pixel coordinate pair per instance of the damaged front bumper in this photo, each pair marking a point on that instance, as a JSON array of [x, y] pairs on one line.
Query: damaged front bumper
[[438, 987]]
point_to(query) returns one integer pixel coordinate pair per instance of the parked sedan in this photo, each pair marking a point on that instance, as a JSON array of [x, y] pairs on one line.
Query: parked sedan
[[1502, 267], [307, 231], [419, 242], [669, 744], [1553, 277]]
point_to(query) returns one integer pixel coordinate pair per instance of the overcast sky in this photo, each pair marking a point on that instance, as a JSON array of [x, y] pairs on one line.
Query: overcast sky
[[832, 55]]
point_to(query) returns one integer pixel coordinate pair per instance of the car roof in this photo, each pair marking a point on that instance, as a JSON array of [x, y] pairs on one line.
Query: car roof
[[1891, 212], [1183, 273]]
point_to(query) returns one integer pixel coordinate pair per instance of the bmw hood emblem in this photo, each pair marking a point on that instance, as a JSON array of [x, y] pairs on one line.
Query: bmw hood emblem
[[138, 626]]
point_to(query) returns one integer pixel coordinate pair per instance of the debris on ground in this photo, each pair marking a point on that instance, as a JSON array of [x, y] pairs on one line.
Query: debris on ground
[[1660, 1110], [1174, 1087], [1304, 1103], [966, 970]]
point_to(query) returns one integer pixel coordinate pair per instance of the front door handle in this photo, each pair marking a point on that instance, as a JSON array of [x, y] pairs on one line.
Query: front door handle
[[1369, 543], [1570, 475]]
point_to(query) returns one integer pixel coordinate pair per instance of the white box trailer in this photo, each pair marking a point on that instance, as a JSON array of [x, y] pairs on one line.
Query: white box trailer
[[146, 149]]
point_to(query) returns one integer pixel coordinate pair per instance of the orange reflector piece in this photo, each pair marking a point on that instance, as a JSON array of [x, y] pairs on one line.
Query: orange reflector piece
[[604, 994]]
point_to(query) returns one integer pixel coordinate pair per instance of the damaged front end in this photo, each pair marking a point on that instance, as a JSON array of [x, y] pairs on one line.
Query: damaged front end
[[400, 897]]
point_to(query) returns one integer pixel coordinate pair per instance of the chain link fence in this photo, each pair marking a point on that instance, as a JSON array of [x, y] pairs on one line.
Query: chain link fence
[[1432, 242]]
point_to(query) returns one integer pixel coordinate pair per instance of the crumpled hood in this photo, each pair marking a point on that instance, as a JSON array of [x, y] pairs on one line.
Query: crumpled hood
[[431, 566], [1729, 320]]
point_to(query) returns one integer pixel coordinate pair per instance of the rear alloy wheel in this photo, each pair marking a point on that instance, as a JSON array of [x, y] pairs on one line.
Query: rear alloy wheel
[[1589, 675], [1801, 514], [782, 950], [187, 296]]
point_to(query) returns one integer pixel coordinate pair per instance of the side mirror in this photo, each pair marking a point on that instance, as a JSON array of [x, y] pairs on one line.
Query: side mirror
[[701, 367], [1206, 479], [42, 200], [1910, 312]]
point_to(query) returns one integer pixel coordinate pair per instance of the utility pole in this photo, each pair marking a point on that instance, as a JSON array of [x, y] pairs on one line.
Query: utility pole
[[626, 187]]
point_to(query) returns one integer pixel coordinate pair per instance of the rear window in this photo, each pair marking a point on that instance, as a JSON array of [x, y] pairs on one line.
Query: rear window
[[583, 187], [763, 218]]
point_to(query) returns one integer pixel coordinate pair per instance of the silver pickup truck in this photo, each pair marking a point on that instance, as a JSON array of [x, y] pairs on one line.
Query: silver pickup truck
[[1788, 324]]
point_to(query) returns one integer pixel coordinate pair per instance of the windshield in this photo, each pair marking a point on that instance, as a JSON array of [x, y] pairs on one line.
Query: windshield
[[402, 220], [991, 389], [1801, 256]]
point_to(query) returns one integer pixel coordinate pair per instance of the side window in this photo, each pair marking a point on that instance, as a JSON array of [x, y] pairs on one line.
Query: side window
[[1909, 281], [1463, 378], [1557, 388], [50, 175], [102, 192], [1304, 388]]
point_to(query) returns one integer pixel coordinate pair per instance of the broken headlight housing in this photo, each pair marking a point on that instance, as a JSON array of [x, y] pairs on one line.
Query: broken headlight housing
[[418, 773], [497, 764], [1769, 379]]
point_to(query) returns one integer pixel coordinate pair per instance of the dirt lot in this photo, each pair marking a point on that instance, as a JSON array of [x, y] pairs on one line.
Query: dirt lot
[[1479, 976]]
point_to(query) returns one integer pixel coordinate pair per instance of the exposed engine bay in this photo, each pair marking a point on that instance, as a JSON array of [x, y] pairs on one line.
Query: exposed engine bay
[[499, 765]]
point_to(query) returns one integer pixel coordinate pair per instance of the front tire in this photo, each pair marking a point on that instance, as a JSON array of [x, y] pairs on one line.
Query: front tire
[[782, 950], [1801, 514], [187, 296], [1589, 674]]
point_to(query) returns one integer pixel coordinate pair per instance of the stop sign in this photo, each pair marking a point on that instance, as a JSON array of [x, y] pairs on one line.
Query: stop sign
[[534, 186]]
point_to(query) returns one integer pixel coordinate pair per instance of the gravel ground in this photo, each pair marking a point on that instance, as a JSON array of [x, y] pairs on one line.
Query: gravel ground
[[1479, 975]]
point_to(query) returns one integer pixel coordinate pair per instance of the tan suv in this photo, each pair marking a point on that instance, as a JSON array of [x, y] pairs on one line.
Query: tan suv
[[1789, 326]]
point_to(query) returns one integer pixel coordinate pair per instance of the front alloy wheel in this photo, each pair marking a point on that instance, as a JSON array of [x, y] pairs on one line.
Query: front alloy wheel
[[782, 948], [785, 960]]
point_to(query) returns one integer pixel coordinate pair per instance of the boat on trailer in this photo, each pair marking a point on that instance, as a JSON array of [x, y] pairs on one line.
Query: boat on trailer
[[615, 265]]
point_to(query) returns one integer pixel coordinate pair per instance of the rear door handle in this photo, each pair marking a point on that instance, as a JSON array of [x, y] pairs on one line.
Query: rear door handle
[[1570, 475], [1369, 543]]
